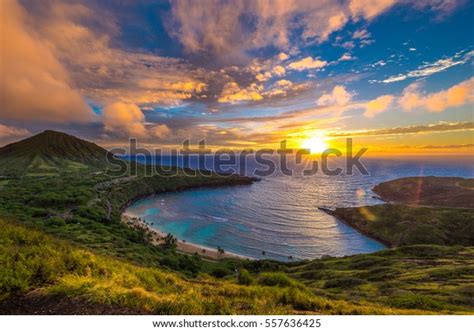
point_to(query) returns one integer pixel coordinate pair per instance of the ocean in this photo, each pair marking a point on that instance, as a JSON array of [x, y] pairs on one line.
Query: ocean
[[278, 216]]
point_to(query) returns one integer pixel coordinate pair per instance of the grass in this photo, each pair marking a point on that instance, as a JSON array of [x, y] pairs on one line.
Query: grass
[[33, 260], [400, 225], [438, 278]]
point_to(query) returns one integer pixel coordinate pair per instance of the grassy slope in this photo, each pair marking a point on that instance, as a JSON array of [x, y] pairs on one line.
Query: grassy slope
[[399, 225], [421, 279], [429, 191], [33, 260], [432, 278], [50, 152]]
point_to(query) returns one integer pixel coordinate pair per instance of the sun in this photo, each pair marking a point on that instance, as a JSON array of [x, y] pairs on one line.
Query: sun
[[315, 144]]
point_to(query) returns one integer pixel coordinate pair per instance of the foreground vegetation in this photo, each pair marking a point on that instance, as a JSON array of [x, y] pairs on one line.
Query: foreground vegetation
[[33, 260]]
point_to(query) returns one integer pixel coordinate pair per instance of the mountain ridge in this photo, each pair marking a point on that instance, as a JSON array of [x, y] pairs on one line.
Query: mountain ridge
[[50, 151]]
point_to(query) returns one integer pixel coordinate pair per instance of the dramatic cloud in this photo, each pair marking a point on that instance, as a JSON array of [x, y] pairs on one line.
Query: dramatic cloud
[[225, 60], [106, 73], [339, 96], [413, 97], [160, 131], [127, 120], [378, 105], [221, 27], [279, 71], [122, 118], [433, 68], [307, 63], [232, 93], [283, 83], [35, 85], [458, 95]]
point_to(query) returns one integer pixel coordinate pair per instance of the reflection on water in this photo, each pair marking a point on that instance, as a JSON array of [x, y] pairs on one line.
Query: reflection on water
[[279, 215]]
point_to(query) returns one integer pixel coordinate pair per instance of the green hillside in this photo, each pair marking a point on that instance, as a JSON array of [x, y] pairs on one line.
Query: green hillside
[[400, 225], [50, 152], [40, 271], [453, 192]]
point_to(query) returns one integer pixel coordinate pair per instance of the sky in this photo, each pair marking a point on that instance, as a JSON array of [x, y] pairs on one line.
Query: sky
[[395, 75]]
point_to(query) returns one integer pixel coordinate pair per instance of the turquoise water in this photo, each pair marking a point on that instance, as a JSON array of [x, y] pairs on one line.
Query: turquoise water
[[279, 215]]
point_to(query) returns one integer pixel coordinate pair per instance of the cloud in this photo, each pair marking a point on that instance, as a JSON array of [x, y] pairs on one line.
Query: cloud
[[221, 27], [369, 9], [124, 119], [103, 71], [442, 7], [35, 85], [339, 96], [11, 131], [378, 105], [458, 95], [361, 34], [160, 131], [283, 83], [346, 57], [233, 93], [282, 56], [432, 68], [263, 77], [127, 120], [307, 63], [413, 97], [279, 71], [430, 128], [458, 146]]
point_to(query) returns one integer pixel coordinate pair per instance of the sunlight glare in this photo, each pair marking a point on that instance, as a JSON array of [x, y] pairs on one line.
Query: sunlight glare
[[315, 144]]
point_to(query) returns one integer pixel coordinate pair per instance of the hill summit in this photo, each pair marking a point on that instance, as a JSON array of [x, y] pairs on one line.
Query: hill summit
[[50, 151]]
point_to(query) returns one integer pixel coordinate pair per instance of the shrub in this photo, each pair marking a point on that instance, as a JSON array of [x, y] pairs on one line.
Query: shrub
[[382, 273], [367, 261], [415, 301], [343, 282], [244, 277], [220, 272], [302, 300], [56, 221], [275, 279]]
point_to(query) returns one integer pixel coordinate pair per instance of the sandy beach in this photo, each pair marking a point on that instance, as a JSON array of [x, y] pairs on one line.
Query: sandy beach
[[182, 246]]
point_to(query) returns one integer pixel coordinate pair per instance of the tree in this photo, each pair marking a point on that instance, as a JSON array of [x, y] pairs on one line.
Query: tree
[[220, 250], [169, 242]]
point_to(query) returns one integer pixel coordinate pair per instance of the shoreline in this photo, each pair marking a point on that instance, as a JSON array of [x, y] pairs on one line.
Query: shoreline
[[182, 246], [349, 222], [236, 182]]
